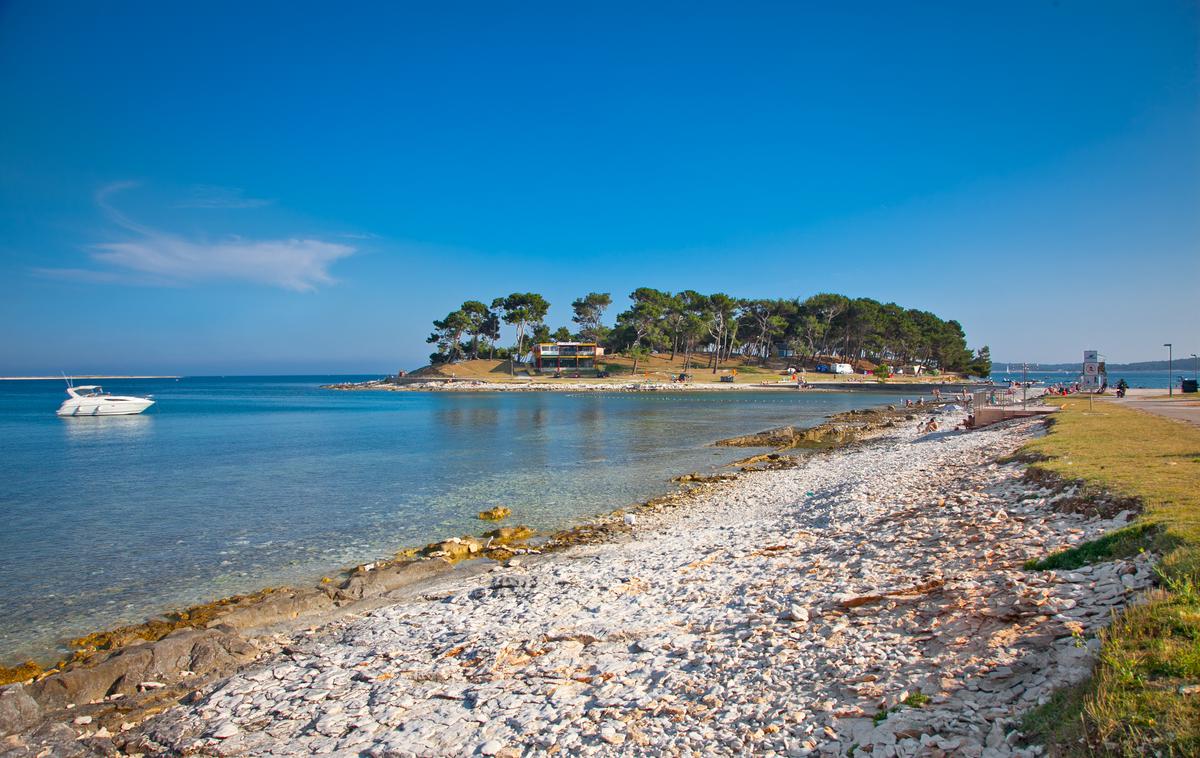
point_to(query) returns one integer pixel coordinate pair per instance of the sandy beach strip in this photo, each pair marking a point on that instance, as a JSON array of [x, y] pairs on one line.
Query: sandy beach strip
[[871, 600]]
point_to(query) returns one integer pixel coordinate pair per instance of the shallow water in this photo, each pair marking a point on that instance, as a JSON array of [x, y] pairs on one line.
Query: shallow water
[[231, 484]]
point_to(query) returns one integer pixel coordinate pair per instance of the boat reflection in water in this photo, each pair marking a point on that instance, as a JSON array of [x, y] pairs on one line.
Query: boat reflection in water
[[108, 428]]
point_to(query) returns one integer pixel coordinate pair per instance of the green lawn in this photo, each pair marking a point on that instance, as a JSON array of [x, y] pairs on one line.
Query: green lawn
[[1140, 699]]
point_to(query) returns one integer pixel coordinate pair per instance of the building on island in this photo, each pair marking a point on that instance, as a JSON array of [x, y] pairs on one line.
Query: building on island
[[566, 356]]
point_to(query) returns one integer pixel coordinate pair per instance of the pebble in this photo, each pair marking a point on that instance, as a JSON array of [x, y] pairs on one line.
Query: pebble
[[775, 614], [798, 614]]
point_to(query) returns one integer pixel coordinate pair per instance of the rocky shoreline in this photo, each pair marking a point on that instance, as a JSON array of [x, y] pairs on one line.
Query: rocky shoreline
[[535, 385], [107, 668], [631, 385], [873, 596], [269, 606]]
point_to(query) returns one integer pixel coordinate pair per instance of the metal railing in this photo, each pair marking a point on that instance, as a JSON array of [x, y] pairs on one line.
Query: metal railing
[[1000, 397]]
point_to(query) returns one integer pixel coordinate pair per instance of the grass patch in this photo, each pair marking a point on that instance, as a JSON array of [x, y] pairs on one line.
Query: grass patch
[[1123, 543], [1138, 701], [1133, 705], [1133, 454], [912, 700], [916, 700]]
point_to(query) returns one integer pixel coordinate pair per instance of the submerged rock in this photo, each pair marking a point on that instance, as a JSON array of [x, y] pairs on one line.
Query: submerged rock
[[495, 514]]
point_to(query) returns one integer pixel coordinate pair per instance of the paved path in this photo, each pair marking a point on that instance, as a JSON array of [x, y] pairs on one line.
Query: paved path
[[1155, 401]]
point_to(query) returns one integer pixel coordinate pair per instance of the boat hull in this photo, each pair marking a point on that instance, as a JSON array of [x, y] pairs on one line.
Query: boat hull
[[105, 407]]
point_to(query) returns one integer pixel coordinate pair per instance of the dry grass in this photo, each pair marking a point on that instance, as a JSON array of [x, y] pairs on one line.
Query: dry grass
[[1139, 700]]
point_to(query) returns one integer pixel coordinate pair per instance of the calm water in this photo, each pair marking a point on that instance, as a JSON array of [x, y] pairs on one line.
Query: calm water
[[1150, 379], [231, 484]]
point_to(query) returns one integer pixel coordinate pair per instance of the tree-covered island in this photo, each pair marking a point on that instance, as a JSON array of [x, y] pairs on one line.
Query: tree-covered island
[[707, 330]]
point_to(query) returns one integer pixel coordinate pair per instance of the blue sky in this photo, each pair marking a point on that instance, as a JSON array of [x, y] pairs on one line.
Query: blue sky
[[300, 187]]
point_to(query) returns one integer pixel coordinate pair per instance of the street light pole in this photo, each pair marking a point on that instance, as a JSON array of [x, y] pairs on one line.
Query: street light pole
[[1195, 367], [1170, 369]]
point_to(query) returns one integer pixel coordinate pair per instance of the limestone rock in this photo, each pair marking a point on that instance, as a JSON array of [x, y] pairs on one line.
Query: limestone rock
[[507, 534], [225, 730], [200, 651], [384, 580], [798, 614], [17, 709]]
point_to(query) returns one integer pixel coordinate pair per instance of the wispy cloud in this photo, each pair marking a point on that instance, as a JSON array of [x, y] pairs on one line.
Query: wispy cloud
[[154, 256], [212, 196], [295, 264], [91, 276]]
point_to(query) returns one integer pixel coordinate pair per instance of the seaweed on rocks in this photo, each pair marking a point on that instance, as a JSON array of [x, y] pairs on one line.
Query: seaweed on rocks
[[196, 616], [704, 478], [19, 673], [840, 429]]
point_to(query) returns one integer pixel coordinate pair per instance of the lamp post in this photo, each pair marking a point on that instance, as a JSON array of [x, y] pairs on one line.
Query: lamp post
[[1170, 371], [1195, 367]]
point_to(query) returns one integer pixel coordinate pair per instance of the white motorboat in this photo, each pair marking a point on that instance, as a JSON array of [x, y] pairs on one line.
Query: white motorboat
[[92, 400]]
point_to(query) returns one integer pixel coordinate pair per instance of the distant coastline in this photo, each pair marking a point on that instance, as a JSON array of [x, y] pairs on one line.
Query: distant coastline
[[1077, 366], [82, 376]]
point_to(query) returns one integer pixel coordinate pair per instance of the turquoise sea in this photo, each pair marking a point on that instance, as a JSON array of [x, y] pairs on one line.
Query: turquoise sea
[[1147, 379], [231, 484]]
